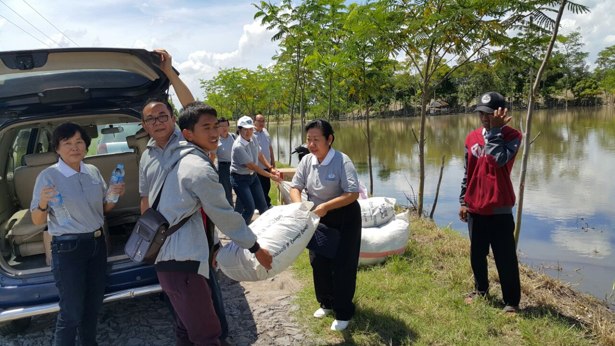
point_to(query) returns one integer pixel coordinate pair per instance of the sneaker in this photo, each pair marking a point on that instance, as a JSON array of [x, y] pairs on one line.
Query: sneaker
[[339, 325], [510, 309], [320, 313], [470, 297]]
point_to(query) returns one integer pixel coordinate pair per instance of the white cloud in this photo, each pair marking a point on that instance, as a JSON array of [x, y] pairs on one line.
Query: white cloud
[[592, 243], [203, 36], [595, 27]]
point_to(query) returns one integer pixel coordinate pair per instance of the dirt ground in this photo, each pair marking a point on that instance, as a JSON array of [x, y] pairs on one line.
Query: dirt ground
[[258, 313]]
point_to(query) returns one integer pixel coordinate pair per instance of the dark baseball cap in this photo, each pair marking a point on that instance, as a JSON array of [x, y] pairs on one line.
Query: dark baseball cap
[[489, 102]]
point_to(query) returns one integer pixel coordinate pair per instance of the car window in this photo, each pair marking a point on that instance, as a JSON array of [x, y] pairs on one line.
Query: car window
[[19, 149], [28, 141], [112, 138]]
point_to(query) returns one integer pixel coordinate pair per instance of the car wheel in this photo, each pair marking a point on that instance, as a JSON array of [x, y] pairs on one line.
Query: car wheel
[[15, 326]]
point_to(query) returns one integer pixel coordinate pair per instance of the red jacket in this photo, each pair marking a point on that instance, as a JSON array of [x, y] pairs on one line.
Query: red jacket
[[486, 188]]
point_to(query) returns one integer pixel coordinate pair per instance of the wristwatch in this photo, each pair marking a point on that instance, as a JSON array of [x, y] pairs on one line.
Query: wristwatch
[[41, 209]]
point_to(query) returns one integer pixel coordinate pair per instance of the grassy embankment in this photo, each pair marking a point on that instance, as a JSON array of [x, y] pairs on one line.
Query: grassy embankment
[[417, 298]]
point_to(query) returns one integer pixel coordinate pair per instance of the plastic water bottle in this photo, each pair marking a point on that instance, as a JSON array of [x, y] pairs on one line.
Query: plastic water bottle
[[59, 209], [117, 177]]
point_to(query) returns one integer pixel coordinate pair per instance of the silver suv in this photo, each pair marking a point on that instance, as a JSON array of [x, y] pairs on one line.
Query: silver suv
[[103, 90]]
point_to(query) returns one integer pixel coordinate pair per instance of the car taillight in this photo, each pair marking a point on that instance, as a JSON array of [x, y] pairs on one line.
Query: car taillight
[[102, 148]]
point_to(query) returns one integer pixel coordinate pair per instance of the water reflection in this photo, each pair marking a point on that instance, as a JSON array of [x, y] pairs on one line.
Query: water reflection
[[569, 179]]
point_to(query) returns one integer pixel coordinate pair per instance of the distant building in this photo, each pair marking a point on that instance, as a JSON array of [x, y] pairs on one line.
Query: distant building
[[438, 107]]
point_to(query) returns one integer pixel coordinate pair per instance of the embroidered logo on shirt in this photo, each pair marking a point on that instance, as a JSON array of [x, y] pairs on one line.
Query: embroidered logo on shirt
[[331, 176]]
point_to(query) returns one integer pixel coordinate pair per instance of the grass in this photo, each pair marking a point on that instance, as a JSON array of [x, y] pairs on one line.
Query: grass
[[417, 298]]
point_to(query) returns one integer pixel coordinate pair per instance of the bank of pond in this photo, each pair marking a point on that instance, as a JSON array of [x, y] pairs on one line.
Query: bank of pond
[[417, 297]]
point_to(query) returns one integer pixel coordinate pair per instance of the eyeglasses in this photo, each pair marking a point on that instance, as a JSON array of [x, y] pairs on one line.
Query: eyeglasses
[[161, 119]]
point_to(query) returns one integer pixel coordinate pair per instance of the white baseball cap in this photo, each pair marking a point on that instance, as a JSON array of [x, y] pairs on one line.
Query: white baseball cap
[[245, 122]]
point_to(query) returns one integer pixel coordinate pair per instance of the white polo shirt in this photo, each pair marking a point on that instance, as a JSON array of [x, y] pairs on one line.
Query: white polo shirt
[[243, 152], [83, 193], [326, 180]]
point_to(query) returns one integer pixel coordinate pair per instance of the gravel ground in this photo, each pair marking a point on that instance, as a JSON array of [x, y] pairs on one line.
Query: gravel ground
[[259, 313]]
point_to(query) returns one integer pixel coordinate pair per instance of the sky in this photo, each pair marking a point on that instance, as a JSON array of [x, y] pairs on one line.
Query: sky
[[203, 36]]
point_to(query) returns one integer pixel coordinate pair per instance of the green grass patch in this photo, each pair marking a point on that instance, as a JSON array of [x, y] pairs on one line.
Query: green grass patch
[[418, 298]]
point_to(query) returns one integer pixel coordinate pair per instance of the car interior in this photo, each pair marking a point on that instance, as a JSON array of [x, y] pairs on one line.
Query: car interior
[[24, 246]]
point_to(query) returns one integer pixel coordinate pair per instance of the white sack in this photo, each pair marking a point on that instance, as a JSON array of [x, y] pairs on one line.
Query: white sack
[[284, 187], [376, 211], [283, 230], [379, 242]]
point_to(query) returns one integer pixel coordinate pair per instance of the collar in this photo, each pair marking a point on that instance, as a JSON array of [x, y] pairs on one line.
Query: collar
[[176, 133], [243, 141], [68, 171], [327, 159]]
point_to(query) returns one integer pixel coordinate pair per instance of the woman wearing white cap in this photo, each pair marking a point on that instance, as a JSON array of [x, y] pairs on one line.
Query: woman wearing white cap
[[244, 164]]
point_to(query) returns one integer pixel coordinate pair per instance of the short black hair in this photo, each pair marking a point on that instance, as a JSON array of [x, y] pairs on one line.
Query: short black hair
[[66, 131], [324, 126], [190, 115], [223, 120], [164, 101]]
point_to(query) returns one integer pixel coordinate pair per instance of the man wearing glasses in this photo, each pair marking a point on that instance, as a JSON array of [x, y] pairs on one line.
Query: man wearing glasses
[[159, 121]]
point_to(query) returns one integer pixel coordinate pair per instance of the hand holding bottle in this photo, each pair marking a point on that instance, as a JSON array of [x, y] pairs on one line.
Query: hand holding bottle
[[116, 184]]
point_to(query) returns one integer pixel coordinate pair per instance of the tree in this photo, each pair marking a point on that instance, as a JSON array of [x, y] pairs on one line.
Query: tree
[[368, 66], [605, 71], [435, 33], [554, 24], [291, 22], [573, 62]]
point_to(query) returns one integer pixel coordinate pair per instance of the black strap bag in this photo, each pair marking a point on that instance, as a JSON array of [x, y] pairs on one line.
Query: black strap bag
[[149, 233]]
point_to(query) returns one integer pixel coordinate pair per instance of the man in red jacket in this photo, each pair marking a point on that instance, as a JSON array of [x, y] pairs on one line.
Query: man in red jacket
[[487, 198]]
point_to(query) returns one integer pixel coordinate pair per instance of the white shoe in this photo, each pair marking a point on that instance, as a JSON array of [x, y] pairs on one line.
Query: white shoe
[[320, 313], [339, 325]]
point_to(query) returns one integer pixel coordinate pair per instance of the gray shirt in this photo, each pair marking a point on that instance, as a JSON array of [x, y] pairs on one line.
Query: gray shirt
[[190, 185], [225, 146], [243, 153], [264, 142], [83, 193], [327, 180], [151, 166]]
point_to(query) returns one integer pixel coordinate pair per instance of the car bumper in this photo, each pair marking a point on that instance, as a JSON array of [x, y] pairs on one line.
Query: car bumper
[[17, 313]]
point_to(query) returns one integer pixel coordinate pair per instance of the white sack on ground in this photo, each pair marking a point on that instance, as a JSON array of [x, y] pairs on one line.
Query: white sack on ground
[[379, 242], [284, 187], [283, 230], [376, 211]]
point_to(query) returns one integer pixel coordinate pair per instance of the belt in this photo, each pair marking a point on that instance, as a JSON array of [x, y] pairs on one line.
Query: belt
[[75, 236], [242, 175]]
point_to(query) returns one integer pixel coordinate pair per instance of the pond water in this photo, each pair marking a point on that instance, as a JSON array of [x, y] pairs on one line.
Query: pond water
[[568, 227]]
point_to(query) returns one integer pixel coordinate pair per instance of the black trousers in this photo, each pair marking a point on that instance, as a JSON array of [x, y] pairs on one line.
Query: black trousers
[[266, 185], [496, 231], [335, 279]]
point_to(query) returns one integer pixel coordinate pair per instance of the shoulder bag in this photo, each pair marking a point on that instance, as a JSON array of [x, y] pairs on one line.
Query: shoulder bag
[[149, 233]]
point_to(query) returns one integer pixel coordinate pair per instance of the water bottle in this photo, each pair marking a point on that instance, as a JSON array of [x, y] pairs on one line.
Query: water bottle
[[117, 177], [59, 209]]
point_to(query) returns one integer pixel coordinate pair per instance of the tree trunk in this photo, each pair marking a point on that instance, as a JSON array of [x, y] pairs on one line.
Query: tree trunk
[[292, 115], [302, 108], [528, 121], [369, 152], [435, 200], [424, 99], [330, 96]]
